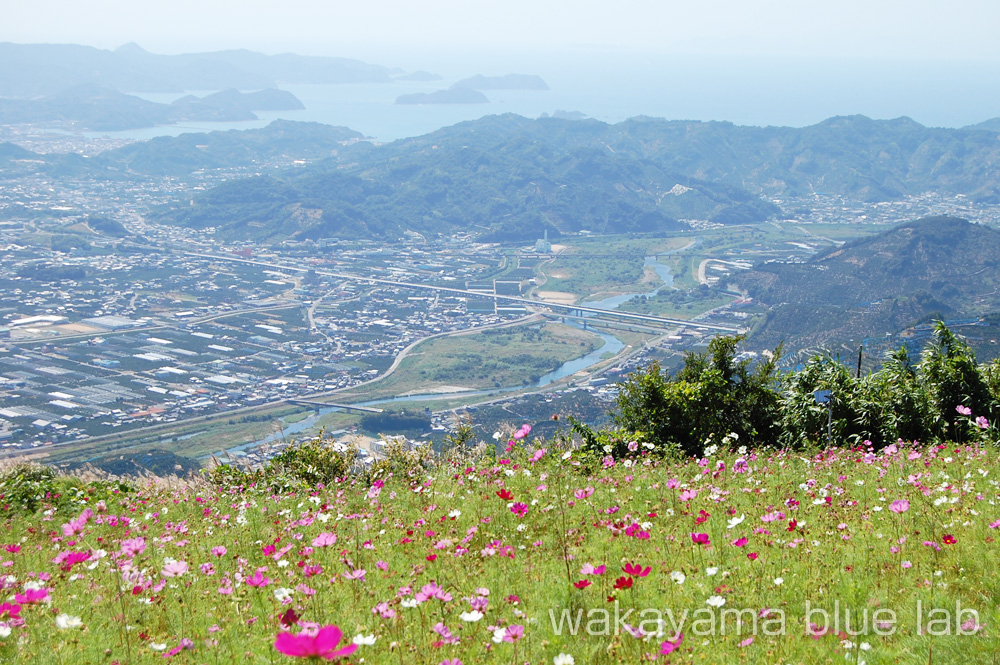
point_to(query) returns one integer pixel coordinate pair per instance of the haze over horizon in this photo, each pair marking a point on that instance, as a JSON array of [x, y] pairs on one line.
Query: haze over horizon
[[852, 29]]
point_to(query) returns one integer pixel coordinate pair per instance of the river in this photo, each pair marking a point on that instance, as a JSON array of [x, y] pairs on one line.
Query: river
[[612, 346]]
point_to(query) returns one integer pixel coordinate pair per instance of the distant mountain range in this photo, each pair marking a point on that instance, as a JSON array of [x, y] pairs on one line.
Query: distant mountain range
[[933, 267], [506, 177], [512, 178], [92, 107], [34, 70], [854, 156]]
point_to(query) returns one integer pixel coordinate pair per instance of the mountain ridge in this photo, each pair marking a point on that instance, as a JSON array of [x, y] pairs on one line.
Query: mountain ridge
[[937, 266]]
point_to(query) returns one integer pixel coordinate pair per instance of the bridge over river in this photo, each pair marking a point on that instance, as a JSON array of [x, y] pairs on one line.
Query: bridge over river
[[556, 307]]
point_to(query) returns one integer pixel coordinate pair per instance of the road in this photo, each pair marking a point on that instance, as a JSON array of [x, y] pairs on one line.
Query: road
[[463, 292]]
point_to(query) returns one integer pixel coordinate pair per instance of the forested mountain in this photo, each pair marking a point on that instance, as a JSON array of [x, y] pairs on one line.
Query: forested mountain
[[280, 141], [512, 177], [932, 267], [855, 156], [180, 155], [92, 107], [506, 176]]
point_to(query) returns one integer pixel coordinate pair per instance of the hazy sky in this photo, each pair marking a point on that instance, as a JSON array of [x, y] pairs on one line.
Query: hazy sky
[[911, 29]]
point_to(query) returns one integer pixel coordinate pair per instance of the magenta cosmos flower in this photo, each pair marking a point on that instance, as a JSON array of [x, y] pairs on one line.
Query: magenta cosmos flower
[[321, 645]]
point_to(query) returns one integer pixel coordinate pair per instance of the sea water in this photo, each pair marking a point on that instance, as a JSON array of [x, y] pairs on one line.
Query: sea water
[[613, 86]]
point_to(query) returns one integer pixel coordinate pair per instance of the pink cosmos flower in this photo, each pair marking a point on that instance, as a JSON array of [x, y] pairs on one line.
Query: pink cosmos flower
[[964, 410], [523, 432], [446, 635], [384, 611], [67, 560], [358, 574], [635, 570], [584, 493], [76, 526], [699, 538], [432, 590], [324, 539], [899, 506], [740, 542], [514, 633], [257, 580], [322, 644], [519, 509], [219, 551], [669, 647], [982, 423], [185, 643], [31, 596], [591, 569], [687, 495], [174, 568], [133, 547], [539, 454]]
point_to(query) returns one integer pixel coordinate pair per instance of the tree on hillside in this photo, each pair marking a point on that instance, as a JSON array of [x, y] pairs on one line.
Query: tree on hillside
[[715, 393]]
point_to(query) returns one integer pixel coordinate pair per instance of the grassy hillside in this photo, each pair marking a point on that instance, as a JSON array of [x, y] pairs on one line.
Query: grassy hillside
[[532, 556]]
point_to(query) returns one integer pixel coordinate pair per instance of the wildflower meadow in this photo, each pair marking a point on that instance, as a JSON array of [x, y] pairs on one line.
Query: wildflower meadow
[[533, 552]]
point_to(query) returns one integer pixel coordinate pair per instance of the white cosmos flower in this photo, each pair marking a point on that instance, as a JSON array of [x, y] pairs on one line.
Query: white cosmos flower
[[157, 646], [716, 601], [471, 617], [563, 659], [409, 602], [64, 621], [498, 635], [711, 570], [4, 630], [362, 639], [736, 521], [778, 581], [678, 576]]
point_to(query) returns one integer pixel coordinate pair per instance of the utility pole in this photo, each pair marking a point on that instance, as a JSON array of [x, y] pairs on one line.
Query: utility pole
[[826, 397]]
